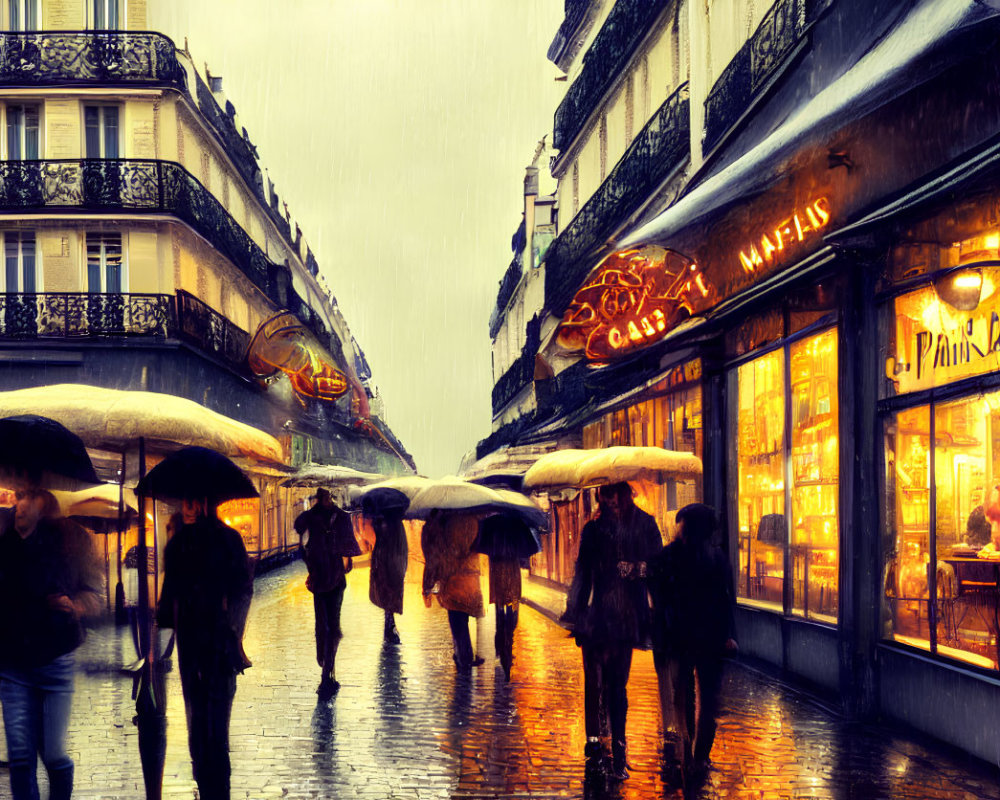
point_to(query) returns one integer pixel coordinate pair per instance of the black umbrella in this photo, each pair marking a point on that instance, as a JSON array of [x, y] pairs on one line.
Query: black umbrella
[[196, 472], [384, 500], [506, 536], [38, 451]]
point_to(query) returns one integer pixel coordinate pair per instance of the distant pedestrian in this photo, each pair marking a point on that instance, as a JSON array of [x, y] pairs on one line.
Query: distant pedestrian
[[608, 610], [692, 588], [328, 546], [207, 588], [50, 582], [388, 567], [451, 572]]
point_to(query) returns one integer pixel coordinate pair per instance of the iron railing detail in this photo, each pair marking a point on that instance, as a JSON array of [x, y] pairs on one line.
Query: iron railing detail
[[747, 75], [626, 25], [659, 148], [78, 316], [45, 58]]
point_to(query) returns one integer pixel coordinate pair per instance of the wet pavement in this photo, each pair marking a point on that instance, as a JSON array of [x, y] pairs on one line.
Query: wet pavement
[[405, 725]]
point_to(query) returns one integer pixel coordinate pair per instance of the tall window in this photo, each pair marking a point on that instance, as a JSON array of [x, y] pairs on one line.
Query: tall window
[[22, 132], [19, 257], [105, 15], [101, 130], [104, 263], [788, 462], [23, 15]]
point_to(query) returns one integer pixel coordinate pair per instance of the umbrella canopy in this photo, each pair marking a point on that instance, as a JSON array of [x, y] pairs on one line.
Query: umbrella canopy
[[97, 508], [524, 507], [39, 451], [315, 475], [196, 472], [114, 419], [506, 536], [582, 468], [384, 500], [409, 485], [453, 494]]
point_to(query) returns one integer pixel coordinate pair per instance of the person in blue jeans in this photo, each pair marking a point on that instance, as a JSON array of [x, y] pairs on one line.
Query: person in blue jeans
[[50, 581]]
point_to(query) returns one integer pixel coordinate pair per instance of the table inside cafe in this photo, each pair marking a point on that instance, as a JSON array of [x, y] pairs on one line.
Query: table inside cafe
[[977, 591]]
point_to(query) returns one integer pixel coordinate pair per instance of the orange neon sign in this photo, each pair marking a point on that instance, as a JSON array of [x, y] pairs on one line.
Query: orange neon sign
[[767, 248], [282, 344], [632, 300]]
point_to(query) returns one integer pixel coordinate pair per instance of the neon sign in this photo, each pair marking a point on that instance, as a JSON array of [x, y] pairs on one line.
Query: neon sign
[[767, 248], [632, 300], [282, 344]]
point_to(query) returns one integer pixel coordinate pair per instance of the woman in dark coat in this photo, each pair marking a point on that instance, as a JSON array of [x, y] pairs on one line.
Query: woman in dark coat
[[388, 571]]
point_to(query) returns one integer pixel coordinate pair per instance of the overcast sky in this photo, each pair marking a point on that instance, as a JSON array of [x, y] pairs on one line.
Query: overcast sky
[[398, 132]]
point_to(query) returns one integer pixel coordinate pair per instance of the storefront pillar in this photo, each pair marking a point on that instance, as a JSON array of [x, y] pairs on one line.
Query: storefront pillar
[[860, 574], [714, 456]]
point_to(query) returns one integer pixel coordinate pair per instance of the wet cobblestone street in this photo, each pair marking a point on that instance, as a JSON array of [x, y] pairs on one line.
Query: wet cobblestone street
[[404, 725]]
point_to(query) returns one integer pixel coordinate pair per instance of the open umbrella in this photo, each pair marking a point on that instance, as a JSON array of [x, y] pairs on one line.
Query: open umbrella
[[38, 451], [407, 484], [452, 494], [384, 500], [196, 472], [583, 468], [556, 470], [314, 475], [506, 536], [97, 507]]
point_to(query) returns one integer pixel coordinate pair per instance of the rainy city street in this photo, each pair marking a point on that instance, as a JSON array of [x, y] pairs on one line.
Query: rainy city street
[[404, 725]]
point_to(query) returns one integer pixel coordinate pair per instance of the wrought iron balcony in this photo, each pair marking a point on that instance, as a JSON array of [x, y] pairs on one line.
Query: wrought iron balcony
[[626, 25], [116, 185], [747, 75], [57, 58], [522, 371], [660, 146], [78, 316]]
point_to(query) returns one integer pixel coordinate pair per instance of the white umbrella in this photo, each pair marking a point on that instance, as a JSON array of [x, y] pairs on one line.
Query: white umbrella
[[559, 469], [313, 475], [453, 494], [407, 484], [581, 468]]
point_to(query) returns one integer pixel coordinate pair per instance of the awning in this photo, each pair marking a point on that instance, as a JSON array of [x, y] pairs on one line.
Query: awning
[[113, 419], [904, 58]]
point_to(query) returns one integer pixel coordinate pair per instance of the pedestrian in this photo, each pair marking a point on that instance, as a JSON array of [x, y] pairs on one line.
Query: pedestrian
[[607, 610], [207, 588], [50, 583], [500, 536], [328, 547], [451, 572], [692, 588], [388, 566]]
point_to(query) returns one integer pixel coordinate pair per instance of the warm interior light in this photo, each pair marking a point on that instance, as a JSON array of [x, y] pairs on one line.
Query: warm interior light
[[961, 290]]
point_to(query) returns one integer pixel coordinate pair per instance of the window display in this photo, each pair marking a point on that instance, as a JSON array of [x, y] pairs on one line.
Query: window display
[[943, 510], [797, 383]]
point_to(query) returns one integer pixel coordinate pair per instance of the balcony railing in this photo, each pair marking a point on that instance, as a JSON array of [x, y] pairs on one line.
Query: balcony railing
[[625, 27], [77, 316], [522, 371], [660, 146], [747, 75], [47, 58]]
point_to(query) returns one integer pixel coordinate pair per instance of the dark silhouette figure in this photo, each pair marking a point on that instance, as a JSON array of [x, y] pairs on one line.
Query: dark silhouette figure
[[327, 545], [207, 587], [691, 585], [388, 570], [50, 581], [608, 611]]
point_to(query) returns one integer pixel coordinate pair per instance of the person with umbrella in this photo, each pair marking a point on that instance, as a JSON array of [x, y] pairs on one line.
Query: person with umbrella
[[50, 583], [328, 547], [390, 554], [451, 572], [506, 538], [207, 588], [608, 611], [694, 628]]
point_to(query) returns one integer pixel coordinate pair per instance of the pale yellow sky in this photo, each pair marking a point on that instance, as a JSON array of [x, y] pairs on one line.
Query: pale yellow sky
[[398, 132]]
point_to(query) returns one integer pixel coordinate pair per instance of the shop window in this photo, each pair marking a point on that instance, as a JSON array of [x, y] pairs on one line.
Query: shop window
[[942, 513], [787, 522]]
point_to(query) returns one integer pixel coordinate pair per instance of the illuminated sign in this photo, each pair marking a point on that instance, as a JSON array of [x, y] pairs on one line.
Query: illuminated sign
[[767, 248], [282, 344], [632, 300]]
